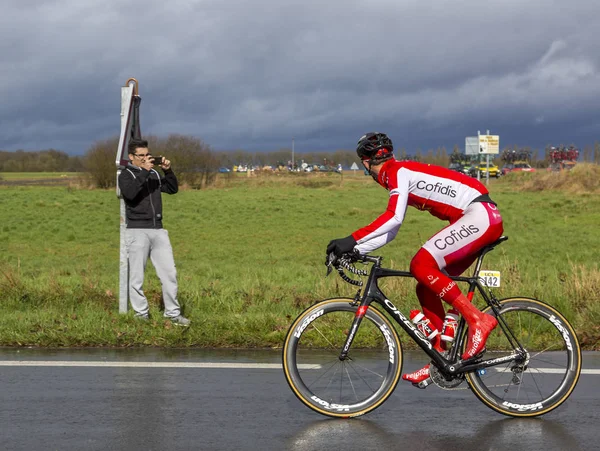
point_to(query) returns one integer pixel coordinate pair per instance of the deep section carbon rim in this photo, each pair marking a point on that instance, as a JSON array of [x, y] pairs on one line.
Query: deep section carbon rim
[[334, 387], [548, 375]]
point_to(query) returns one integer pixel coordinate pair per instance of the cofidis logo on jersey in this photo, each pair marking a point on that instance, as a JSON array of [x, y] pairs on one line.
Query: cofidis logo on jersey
[[437, 188], [456, 236]]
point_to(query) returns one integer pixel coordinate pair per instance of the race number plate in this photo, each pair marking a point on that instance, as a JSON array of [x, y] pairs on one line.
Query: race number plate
[[490, 278]]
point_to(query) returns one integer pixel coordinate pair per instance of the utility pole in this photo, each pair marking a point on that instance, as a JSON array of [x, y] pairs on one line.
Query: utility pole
[[292, 153], [487, 162], [487, 159], [478, 156]]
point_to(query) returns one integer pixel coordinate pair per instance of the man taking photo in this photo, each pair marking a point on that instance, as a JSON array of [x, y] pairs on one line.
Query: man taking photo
[[141, 186]]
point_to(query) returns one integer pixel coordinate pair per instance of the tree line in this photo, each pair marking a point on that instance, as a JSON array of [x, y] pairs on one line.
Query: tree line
[[197, 164], [50, 160]]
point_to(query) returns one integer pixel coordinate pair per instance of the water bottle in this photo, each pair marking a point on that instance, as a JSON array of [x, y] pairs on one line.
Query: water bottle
[[423, 324], [450, 325]]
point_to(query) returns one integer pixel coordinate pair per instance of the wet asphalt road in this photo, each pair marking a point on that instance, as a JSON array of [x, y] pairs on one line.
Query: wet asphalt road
[[131, 408]]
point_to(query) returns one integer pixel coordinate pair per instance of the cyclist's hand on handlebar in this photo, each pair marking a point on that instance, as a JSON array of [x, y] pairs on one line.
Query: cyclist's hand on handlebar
[[345, 262], [333, 261], [341, 246]]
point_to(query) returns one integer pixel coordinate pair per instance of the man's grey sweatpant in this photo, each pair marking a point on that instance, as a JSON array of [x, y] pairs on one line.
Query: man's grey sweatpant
[[153, 243]]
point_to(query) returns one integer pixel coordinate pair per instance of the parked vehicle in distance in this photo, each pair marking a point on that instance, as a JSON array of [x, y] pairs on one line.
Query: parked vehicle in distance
[[483, 169], [517, 166], [459, 167], [224, 170]]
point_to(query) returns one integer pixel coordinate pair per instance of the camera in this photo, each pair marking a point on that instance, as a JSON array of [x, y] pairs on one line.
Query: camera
[[158, 160]]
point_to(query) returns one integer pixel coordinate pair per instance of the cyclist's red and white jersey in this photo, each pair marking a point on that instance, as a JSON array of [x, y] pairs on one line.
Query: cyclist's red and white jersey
[[443, 192]]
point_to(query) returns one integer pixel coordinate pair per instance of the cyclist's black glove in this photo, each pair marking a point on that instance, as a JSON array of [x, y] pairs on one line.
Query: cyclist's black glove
[[341, 246]]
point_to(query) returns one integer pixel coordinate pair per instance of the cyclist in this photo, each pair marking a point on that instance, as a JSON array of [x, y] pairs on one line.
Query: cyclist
[[448, 195]]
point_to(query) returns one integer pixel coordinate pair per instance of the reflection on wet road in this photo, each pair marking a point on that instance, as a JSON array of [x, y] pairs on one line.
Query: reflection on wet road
[[198, 399]]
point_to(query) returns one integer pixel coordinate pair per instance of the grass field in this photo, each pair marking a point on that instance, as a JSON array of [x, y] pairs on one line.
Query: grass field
[[250, 256], [36, 175]]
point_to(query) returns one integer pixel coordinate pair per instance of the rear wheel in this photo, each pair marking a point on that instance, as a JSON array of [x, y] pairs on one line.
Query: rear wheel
[[548, 375], [341, 388]]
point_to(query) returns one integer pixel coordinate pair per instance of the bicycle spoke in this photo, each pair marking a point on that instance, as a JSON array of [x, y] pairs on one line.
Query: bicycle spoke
[[535, 381], [351, 384], [344, 370], [535, 356], [323, 373], [547, 362], [363, 379], [331, 345], [368, 369]]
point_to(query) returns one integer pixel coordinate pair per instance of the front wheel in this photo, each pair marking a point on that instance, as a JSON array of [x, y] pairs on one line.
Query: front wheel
[[550, 370], [352, 386]]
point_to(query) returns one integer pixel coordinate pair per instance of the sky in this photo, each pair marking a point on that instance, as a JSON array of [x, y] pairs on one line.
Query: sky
[[255, 75]]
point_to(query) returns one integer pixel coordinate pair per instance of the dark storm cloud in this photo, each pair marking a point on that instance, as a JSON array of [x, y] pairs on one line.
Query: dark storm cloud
[[252, 75]]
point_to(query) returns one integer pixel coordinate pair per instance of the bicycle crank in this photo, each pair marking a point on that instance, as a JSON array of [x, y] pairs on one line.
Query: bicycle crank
[[442, 381]]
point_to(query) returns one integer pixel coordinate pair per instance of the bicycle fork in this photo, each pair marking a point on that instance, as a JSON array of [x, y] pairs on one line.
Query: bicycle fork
[[360, 313]]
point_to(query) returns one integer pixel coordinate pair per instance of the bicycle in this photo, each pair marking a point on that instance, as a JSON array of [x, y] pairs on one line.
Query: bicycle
[[342, 357]]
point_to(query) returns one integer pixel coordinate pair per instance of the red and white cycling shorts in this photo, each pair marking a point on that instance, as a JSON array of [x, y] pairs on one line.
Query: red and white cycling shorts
[[450, 252], [480, 225]]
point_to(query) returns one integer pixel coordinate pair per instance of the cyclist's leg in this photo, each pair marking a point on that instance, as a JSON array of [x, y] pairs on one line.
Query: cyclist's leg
[[454, 246], [431, 303], [434, 310], [418, 376], [480, 325]]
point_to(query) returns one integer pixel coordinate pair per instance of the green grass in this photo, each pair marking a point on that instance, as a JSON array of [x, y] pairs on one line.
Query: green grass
[[36, 175], [250, 257]]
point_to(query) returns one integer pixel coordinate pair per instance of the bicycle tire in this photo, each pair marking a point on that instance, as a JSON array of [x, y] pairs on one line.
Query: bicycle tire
[[549, 375], [334, 387]]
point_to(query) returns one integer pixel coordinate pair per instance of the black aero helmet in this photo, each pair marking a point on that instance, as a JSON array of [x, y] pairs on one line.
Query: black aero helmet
[[375, 147]]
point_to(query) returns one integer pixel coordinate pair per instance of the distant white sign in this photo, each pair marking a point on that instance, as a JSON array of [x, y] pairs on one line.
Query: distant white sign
[[472, 145], [489, 144], [354, 166]]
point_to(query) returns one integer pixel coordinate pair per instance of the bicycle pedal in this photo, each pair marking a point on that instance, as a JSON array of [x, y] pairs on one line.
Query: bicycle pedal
[[423, 384]]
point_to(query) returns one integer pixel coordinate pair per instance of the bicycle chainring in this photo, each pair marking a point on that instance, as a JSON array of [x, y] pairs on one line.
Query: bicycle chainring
[[441, 381]]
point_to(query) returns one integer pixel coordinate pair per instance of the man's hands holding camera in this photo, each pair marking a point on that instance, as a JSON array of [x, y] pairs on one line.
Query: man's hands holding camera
[[162, 162], [151, 161]]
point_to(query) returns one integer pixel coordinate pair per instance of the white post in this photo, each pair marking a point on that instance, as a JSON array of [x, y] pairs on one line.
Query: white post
[[126, 111], [123, 265], [292, 154]]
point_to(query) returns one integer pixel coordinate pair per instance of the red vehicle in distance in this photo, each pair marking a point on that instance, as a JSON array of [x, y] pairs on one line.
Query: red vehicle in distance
[[517, 166]]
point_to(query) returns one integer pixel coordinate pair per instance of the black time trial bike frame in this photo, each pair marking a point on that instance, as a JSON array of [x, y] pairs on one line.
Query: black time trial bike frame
[[450, 365]]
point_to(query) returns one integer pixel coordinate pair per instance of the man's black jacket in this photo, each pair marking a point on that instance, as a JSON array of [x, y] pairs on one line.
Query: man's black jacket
[[141, 191]]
